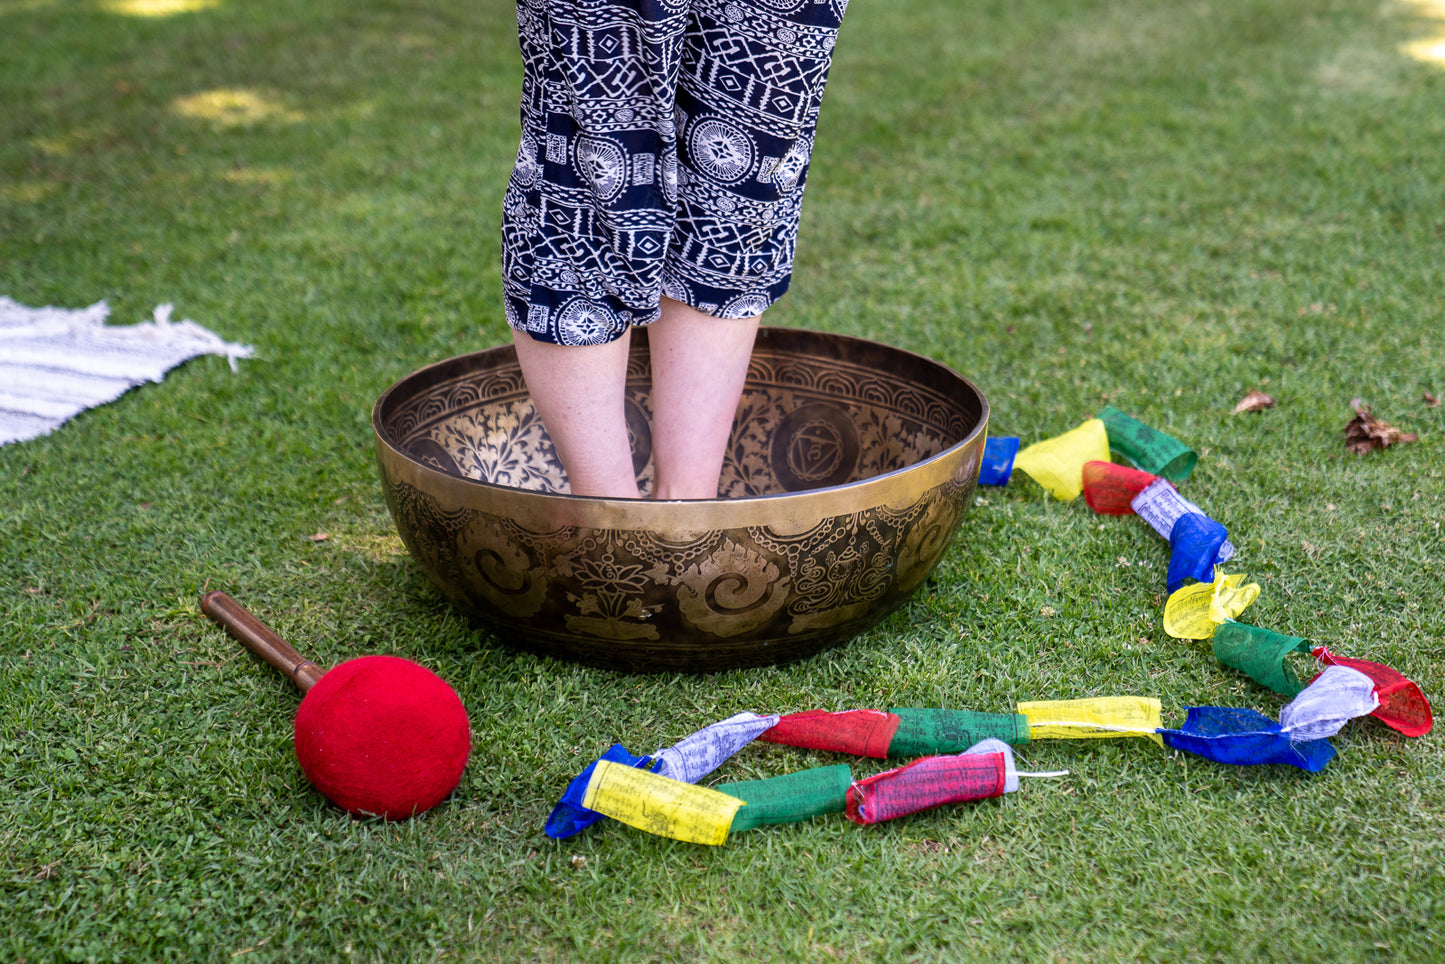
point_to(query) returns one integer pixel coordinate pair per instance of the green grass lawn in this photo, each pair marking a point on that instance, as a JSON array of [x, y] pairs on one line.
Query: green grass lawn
[[1158, 206]]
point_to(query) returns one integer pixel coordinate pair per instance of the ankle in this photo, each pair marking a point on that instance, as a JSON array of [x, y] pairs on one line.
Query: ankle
[[695, 488]]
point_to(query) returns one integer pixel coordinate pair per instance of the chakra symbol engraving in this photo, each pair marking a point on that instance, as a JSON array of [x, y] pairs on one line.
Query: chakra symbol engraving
[[815, 451], [721, 151], [813, 446]]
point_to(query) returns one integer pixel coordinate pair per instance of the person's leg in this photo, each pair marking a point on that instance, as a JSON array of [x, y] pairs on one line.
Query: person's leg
[[578, 391], [742, 153], [699, 364], [587, 215]]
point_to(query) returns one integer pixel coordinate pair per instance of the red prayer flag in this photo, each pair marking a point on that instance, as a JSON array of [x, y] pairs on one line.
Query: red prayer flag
[[1109, 488], [859, 732], [930, 782], [1403, 706]]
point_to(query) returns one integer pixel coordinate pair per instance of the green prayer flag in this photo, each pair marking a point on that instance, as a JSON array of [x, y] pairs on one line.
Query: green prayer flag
[[1148, 448], [1260, 653], [924, 732], [791, 798]]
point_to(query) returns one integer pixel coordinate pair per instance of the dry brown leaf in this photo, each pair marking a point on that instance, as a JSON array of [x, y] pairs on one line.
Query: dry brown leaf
[[1431, 400], [319, 537], [1366, 433], [1255, 401]]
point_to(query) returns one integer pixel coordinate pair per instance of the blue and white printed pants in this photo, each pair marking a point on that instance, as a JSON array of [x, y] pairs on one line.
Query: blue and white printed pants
[[665, 144]]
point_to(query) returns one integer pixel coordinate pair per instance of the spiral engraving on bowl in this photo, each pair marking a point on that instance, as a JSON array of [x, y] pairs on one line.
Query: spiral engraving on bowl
[[733, 591], [928, 528], [500, 569]]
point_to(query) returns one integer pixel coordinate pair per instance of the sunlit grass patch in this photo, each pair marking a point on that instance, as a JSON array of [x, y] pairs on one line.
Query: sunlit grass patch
[[157, 8], [236, 107], [1429, 49]]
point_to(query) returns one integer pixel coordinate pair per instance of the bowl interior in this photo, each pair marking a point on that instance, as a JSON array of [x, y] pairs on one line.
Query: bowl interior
[[817, 411]]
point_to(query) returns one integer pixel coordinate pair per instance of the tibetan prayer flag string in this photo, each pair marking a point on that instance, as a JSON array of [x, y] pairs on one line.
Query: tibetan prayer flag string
[[968, 755]]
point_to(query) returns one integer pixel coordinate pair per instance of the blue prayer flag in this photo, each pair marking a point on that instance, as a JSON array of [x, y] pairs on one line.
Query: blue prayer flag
[[1244, 737]]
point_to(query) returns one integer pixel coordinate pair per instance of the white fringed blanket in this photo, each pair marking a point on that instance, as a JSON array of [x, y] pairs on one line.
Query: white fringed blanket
[[57, 362]]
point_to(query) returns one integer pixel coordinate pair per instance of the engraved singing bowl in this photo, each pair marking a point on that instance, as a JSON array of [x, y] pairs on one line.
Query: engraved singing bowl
[[849, 470]]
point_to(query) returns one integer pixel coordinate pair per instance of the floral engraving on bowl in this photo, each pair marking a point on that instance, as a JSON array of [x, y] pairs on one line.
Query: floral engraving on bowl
[[502, 443], [608, 588]]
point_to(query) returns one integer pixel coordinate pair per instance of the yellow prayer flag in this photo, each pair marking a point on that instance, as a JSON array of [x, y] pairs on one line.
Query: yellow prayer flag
[[659, 805], [1230, 597], [1186, 614], [1197, 610], [1058, 463], [1098, 718]]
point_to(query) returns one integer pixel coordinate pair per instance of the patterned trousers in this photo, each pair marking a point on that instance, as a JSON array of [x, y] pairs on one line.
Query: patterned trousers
[[665, 145]]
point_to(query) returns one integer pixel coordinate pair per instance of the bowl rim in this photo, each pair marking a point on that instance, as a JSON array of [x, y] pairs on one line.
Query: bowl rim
[[555, 508]]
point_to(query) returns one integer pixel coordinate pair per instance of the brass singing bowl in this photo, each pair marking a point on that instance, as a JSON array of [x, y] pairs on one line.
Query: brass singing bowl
[[849, 470]]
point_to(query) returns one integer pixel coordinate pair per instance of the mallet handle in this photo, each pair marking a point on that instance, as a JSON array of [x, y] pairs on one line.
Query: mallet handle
[[260, 639]]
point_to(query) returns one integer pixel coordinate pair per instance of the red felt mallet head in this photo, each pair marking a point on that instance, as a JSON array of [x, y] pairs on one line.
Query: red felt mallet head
[[378, 736]]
